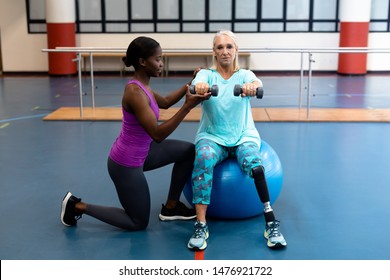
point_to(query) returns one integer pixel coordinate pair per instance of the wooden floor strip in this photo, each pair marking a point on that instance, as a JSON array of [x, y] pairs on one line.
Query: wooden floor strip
[[259, 114]]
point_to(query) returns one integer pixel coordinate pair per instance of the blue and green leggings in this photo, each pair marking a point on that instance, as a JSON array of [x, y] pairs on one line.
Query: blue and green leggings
[[209, 154]]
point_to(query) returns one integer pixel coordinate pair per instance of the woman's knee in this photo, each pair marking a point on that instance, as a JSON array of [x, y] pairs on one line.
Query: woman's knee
[[205, 150], [248, 157]]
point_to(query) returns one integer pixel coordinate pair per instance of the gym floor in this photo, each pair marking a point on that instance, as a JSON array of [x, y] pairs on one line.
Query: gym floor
[[334, 204]]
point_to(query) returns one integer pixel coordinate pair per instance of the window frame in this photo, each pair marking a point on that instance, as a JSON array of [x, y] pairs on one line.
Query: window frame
[[207, 22]]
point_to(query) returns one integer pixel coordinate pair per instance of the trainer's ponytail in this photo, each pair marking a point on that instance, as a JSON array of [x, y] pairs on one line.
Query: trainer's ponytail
[[126, 62], [141, 47]]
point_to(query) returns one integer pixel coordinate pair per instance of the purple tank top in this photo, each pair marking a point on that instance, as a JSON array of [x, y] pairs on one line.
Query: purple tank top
[[132, 145]]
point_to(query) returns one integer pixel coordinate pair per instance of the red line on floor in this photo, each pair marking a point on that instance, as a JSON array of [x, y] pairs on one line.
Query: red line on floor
[[199, 255]]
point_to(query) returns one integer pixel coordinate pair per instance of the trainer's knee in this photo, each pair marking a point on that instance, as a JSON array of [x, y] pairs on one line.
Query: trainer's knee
[[136, 222], [139, 225], [190, 150], [185, 151]]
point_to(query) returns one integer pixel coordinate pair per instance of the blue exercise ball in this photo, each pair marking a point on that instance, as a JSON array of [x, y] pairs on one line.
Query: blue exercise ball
[[234, 194]]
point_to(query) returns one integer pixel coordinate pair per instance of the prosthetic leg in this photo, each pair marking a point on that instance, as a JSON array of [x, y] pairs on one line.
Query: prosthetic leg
[[262, 190]]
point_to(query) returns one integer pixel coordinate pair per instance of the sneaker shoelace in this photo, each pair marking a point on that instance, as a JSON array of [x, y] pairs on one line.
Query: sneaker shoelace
[[199, 231], [274, 229]]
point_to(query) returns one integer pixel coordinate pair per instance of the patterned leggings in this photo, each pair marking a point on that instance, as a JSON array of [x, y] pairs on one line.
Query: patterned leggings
[[209, 154]]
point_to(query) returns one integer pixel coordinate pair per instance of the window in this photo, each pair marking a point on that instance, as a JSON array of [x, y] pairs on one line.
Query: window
[[203, 16], [116, 10], [324, 13], [89, 14], [380, 14], [36, 14]]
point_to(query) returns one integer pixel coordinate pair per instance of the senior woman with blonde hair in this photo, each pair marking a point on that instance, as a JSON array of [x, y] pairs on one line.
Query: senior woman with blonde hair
[[226, 130]]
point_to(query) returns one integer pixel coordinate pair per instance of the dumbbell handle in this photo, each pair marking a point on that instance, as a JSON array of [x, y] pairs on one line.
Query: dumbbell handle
[[213, 89], [259, 91]]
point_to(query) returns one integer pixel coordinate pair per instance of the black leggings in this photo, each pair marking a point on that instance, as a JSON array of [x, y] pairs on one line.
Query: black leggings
[[133, 189]]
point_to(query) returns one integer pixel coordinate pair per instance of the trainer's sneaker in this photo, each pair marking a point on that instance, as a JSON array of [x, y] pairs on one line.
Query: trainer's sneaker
[[198, 240], [69, 216], [274, 236], [180, 212]]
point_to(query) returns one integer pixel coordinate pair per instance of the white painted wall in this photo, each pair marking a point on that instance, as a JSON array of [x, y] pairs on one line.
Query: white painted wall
[[21, 52]]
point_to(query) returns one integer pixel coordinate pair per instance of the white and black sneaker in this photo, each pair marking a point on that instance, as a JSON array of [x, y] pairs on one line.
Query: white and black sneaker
[[69, 216], [180, 212]]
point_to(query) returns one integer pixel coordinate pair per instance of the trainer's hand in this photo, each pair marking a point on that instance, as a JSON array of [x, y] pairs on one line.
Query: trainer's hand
[[192, 100]]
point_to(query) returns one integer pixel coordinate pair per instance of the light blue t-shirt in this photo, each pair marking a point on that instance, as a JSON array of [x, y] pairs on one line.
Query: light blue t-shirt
[[227, 119]]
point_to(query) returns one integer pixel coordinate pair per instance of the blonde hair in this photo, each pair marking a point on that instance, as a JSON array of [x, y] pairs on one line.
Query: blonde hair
[[232, 36]]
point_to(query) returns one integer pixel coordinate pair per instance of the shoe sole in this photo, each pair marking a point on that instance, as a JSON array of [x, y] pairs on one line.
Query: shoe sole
[[174, 218], [276, 245], [63, 208], [203, 247]]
